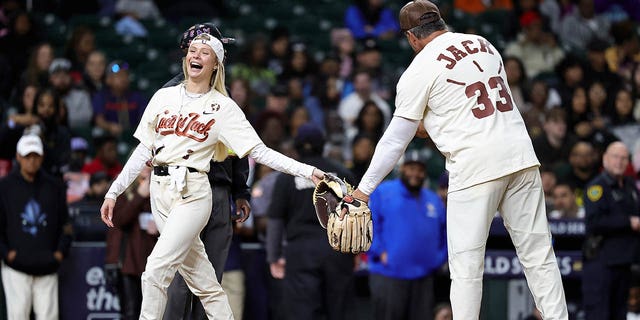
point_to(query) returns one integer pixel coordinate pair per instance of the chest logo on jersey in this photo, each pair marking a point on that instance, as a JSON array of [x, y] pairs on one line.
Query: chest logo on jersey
[[190, 126], [211, 109]]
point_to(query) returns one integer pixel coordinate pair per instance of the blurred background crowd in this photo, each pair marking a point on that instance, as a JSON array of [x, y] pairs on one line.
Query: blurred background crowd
[[79, 74]]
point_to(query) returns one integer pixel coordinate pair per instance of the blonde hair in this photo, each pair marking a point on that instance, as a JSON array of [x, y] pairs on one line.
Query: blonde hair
[[217, 82]]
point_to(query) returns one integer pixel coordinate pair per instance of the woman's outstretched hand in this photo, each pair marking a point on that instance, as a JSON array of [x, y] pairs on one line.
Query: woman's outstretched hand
[[106, 211]]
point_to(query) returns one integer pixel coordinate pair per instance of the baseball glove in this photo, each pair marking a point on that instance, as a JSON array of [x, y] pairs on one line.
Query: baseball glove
[[351, 233]]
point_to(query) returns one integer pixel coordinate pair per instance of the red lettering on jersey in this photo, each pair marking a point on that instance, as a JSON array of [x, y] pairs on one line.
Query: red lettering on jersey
[[451, 64], [470, 50], [485, 46], [186, 126], [457, 53]]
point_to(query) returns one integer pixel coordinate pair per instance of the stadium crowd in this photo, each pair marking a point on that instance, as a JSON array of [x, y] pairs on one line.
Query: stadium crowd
[[573, 67]]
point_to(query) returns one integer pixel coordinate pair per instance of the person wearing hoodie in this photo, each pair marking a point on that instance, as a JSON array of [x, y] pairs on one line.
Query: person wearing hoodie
[[35, 234]]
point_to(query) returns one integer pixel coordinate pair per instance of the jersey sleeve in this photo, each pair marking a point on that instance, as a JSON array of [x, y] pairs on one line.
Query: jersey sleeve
[[236, 132], [412, 92], [145, 132]]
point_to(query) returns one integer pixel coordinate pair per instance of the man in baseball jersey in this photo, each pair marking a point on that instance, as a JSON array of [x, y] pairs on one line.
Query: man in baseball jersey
[[181, 130], [456, 87]]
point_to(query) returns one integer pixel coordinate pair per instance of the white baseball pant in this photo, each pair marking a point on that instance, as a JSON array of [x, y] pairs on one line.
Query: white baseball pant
[[180, 217], [520, 200], [24, 291]]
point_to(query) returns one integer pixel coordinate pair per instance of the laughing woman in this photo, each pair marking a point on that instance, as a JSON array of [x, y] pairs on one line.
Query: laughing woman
[[182, 129]]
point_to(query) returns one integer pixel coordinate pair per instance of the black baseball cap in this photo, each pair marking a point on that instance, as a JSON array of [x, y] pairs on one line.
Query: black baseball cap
[[201, 28], [417, 13], [414, 156]]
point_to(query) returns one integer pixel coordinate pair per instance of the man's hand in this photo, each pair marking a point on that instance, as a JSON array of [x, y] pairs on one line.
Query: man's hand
[[106, 211], [243, 210], [317, 176], [358, 195], [635, 223], [11, 255], [277, 268], [58, 256], [152, 228], [383, 258]]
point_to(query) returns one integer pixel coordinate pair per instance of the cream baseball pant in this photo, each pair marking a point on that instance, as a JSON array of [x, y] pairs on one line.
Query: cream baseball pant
[[519, 199], [23, 291], [180, 216]]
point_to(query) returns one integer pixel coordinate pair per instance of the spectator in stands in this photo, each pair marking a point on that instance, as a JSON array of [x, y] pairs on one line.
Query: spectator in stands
[[37, 70], [55, 137], [279, 49], [131, 241], [478, 6], [316, 279], [300, 65], [118, 108], [537, 48], [633, 312], [612, 225], [328, 92], [635, 90], [623, 125], [597, 69], [554, 145], [582, 26], [517, 80], [20, 117], [79, 111], [583, 161], [371, 18], [241, 92], [549, 182], [22, 37], [578, 117], [106, 158], [362, 149], [344, 45], [81, 43], [35, 234], [298, 117], [570, 74], [599, 107], [277, 99], [79, 154], [370, 122], [402, 280], [350, 105], [625, 52], [98, 186], [270, 126], [93, 76], [542, 99], [565, 205], [369, 59], [309, 102], [138, 9], [254, 66]]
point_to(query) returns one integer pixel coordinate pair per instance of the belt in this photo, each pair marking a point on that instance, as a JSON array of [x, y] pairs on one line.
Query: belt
[[164, 170]]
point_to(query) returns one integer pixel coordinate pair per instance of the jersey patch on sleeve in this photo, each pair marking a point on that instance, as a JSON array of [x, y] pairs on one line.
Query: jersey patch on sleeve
[[594, 193]]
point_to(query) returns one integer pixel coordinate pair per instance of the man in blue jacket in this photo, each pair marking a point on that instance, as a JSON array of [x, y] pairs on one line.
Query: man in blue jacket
[[35, 234], [402, 276]]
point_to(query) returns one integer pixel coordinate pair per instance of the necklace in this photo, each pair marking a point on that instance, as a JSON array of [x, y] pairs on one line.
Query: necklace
[[193, 95]]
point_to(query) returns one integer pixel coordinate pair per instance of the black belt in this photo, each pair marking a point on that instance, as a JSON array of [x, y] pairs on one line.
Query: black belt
[[164, 170]]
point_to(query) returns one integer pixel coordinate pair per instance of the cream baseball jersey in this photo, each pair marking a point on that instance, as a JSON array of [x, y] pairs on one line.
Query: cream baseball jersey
[[184, 132], [458, 87]]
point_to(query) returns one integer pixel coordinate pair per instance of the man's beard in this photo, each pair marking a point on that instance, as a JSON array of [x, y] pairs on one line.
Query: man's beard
[[407, 183]]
